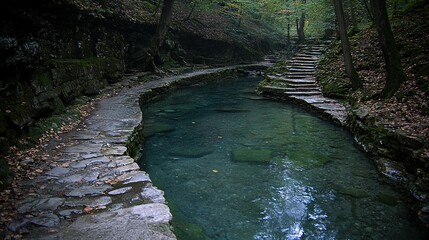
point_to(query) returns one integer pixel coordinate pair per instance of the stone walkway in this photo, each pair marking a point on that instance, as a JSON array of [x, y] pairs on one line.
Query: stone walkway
[[299, 85], [95, 190]]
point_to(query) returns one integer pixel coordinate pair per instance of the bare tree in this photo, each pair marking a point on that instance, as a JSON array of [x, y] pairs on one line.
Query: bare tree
[[395, 73], [348, 61], [161, 31]]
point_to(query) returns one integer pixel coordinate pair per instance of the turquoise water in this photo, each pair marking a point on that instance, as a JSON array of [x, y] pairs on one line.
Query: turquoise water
[[234, 166]]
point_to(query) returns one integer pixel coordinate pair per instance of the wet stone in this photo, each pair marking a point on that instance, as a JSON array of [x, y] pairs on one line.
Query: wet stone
[[41, 205], [88, 191], [121, 161], [127, 168], [84, 148], [47, 220], [152, 219], [117, 206], [85, 135], [91, 155], [98, 160], [120, 191], [89, 202], [134, 177], [57, 172], [71, 179], [68, 212], [153, 195], [115, 151], [79, 164], [91, 176]]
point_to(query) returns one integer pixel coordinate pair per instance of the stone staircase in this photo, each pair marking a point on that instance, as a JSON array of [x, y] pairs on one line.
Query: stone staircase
[[297, 83]]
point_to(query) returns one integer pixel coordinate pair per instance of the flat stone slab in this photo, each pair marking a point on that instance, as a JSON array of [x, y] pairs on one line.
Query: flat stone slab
[[47, 220], [114, 151], [58, 171], [120, 191], [84, 147], [41, 205], [133, 177], [153, 194], [71, 179], [88, 191], [89, 202], [147, 221]]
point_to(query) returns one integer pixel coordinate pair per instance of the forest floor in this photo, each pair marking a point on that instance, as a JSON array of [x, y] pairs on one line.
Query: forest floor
[[408, 109]]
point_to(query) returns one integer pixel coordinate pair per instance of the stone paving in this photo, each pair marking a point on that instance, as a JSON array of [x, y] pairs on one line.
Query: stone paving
[[95, 190], [299, 85]]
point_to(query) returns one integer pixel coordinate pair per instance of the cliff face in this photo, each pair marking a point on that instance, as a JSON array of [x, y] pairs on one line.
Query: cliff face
[[53, 51]]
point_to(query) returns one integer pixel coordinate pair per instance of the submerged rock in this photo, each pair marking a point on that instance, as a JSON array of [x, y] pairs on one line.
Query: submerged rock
[[387, 199], [352, 192], [231, 110], [152, 129], [191, 153], [251, 155]]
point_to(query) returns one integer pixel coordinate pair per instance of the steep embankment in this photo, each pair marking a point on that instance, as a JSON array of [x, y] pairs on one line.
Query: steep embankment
[[55, 51], [395, 130]]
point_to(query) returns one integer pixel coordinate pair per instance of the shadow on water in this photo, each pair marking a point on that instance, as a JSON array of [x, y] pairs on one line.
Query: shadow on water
[[234, 165]]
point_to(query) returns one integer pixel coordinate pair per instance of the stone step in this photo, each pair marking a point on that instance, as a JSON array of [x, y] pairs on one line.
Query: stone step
[[304, 89], [330, 106], [304, 59], [293, 80], [299, 76], [314, 99], [274, 89], [314, 53], [314, 93], [301, 63], [305, 55], [309, 66], [302, 70], [303, 85]]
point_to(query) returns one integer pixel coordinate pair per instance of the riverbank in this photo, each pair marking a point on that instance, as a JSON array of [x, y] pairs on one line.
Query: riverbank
[[87, 184], [399, 150]]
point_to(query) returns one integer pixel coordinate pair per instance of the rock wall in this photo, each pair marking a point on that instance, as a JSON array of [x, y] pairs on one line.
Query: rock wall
[[398, 156], [54, 51]]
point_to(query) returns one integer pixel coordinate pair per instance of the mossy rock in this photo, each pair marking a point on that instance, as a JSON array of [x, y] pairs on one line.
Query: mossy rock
[[251, 155], [189, 231], [152, 129], [387, 199], [308, 159], [191, 153], [352, 192]]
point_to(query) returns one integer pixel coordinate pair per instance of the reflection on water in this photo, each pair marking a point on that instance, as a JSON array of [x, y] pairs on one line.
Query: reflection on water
[[235, 166]]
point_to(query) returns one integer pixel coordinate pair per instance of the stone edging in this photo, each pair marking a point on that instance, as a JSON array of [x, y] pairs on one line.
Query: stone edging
[[95, 190]]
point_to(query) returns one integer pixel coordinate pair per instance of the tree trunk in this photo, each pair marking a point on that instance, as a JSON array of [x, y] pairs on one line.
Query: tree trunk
[[288, 33], [348, 62], [355, 28], [301, 22], [192, 11], [368, 10], [395, 73], [161, 31]]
